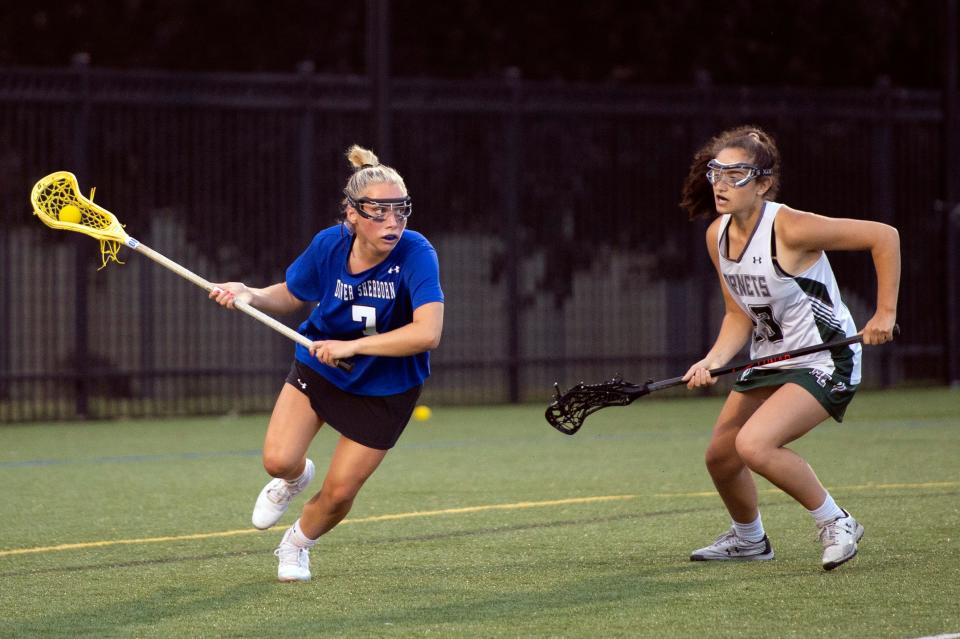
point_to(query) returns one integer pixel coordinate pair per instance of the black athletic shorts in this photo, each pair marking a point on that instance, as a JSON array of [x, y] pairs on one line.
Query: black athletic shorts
[[375, 422]]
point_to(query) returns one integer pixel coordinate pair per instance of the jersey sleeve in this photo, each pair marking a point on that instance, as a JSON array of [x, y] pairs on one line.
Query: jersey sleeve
[[424, 279], [303, 275]]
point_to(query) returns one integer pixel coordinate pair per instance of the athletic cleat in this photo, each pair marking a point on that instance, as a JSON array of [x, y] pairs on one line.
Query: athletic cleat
[[273, 500], [839, 538], [294, 561], [730, 547]]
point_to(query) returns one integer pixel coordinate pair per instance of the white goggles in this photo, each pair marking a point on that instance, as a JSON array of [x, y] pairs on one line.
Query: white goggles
[[736, 175]]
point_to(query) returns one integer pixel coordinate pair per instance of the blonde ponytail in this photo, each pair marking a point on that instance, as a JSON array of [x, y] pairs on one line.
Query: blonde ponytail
[[361, 158]]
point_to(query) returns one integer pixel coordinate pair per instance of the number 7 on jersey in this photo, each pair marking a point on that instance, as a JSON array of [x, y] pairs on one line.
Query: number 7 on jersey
[[367, 315]]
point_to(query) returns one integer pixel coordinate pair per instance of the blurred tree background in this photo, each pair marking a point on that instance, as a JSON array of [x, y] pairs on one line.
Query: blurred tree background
[[739, 42]]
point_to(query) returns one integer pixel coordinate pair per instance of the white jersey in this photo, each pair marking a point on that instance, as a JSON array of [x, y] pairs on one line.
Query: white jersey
[[788, 311]]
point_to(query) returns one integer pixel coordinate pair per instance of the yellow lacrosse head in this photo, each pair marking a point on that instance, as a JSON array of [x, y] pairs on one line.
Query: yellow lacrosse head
[[57, 200]]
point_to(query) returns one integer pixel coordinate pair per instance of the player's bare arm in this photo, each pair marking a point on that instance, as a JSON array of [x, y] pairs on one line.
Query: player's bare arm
[[421, 335], [735, 329], [802, 236], [275, 299]]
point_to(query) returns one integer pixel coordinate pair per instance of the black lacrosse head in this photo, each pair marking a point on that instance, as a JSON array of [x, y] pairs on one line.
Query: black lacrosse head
[[568, 410]]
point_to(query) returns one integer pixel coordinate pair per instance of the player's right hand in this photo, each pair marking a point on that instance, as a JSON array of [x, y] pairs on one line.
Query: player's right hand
[[698, 375], [228, 293]]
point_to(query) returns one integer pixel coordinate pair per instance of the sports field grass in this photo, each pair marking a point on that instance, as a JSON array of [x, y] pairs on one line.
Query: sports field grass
[[483, 522]]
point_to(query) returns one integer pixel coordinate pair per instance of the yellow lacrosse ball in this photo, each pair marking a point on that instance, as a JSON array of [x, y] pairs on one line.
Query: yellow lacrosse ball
[[70, 213], [422, 413]]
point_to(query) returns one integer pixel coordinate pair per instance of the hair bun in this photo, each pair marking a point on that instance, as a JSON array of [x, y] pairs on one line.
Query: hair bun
[[361, 158]]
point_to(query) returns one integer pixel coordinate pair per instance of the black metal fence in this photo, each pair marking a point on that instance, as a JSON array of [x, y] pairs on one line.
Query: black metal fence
[[553, 208]]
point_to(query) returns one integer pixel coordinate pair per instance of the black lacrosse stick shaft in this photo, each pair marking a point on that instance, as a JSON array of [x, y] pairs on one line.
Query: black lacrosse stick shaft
[[568, 410], [771, 359]]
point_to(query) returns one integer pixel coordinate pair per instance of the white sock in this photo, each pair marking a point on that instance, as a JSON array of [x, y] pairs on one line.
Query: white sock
[[827, 512], [752, 531], [296, 537], [295, 482]]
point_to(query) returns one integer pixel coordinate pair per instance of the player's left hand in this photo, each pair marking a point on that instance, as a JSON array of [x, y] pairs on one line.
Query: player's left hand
[[879, 330], [331, 351]]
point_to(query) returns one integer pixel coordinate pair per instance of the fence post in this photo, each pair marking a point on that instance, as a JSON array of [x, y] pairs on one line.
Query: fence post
[[951, 190], [952, 292], [81, 125], [378, 73], [882, 168], [305, 143], [6, 334], [882, 161], [511, 228], [706, 286]]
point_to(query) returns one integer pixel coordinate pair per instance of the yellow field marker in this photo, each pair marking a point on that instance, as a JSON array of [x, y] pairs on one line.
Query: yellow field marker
[[838, 489], [361, 520], [450, 511]]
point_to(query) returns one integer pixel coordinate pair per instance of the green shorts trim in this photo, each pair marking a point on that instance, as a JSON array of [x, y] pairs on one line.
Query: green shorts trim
[[834, 393]]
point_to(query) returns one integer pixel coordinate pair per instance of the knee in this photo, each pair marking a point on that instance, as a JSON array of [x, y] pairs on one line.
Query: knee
[[722, 460], [279, 465], [339, 497], [752, 451]]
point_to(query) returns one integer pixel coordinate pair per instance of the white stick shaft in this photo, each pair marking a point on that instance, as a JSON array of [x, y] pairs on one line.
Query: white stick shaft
[[186, 273]]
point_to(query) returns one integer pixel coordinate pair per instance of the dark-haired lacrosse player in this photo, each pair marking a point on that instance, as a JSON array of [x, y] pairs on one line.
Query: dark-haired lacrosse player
[[780, 294], [378, 303]]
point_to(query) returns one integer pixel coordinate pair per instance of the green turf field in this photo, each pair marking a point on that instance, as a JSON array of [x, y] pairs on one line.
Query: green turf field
[[483, 522]]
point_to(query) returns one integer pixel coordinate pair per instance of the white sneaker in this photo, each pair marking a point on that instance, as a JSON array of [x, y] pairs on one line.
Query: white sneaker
[[273, 500], [730, 547], [839, 538], [294, 561]]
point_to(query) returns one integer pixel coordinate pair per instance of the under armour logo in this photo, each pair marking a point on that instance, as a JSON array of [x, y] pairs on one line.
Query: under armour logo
[[394, 269], [303, 384], [757, 260]]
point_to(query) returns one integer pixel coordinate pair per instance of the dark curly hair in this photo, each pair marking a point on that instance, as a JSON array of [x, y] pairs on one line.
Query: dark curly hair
[[696, 198]]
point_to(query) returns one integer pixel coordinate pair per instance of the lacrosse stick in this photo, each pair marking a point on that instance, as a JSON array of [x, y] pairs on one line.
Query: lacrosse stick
[[58, 203], [568, 410]]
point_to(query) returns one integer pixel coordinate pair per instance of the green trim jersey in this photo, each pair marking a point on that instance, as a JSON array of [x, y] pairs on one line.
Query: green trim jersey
[[789, 311]]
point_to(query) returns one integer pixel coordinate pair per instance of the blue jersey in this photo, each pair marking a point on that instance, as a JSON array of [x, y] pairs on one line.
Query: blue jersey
[[377, 300]]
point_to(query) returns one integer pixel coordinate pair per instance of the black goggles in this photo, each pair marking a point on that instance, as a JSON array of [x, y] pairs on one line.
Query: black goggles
[[380, 210]]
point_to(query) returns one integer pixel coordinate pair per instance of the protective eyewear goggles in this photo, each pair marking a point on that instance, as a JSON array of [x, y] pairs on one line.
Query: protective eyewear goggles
[[380, 210], [736, 175]]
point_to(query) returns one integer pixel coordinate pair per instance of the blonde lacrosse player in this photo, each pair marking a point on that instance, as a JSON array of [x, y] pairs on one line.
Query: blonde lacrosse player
[[780, 294], [374, 287]]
